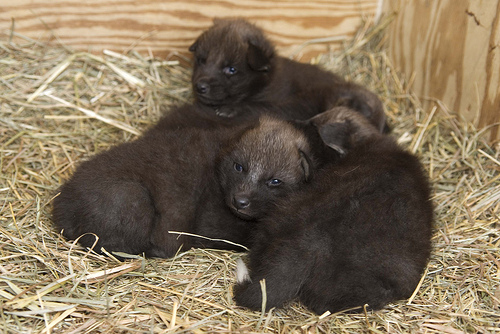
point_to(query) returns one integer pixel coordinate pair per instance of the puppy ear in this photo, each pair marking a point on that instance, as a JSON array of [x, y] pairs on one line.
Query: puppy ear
[[366, 103], [257, 59], [336, 136], [305, 163], [193, 46], [219, 20]]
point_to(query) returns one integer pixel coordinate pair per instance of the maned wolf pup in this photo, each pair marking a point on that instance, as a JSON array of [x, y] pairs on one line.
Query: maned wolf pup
[[358, 234], [236, 69], [185, 180]]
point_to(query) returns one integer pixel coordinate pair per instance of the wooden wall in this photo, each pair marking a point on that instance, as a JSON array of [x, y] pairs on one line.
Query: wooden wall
[[164, 26], [452, 48]]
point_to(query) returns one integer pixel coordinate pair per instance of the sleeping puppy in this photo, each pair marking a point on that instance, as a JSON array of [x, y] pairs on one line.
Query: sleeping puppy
[[358, 234], [236, 69], [211, 181]]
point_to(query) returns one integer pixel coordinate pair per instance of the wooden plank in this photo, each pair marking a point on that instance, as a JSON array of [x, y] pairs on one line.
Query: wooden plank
[[452, 48], [165, 26]]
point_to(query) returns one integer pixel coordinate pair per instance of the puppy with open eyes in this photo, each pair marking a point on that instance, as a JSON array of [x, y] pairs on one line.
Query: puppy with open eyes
[[238, 74], [358, 234], [211, 180]]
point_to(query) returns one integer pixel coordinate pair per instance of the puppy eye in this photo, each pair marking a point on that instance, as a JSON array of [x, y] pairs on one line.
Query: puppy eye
[[238, 167], [274, 182], [201, 60], [229, 70]]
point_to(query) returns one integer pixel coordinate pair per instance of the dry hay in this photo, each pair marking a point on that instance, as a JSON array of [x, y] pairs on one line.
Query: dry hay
[[59, 107]]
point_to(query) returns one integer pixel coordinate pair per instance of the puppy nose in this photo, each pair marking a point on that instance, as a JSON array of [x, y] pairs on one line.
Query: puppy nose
[[202, 87], [241, 202]]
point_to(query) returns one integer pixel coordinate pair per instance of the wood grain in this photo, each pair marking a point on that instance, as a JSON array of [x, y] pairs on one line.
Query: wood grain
[[452, 47], [166, 26]]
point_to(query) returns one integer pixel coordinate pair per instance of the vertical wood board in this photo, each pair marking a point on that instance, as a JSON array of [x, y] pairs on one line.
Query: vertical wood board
[[452, 48]]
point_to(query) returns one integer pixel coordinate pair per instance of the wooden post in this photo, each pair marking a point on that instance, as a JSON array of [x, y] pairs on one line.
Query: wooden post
[[452, 48]]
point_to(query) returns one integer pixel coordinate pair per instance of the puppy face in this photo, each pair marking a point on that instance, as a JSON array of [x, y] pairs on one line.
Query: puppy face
[[266, 163], [232, 62]]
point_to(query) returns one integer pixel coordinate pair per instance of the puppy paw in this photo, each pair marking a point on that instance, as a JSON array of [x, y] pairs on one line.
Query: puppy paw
[[248, 295], [242, 274], [225, 111]]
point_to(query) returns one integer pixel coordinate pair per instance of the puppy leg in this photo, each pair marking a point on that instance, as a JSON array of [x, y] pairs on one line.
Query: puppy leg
[[171, 220], [349, 288], [283, 275], [119, 213]]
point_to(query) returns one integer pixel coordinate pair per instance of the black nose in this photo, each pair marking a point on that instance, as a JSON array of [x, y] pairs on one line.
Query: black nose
[[202, 87], [240, 202]]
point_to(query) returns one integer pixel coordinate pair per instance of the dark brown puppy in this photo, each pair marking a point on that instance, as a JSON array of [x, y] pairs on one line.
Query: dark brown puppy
[[187, 180], [358, 234], [238, 74]]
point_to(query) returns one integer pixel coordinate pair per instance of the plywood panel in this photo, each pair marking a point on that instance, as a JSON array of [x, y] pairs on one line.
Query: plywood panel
[[452, 47], [165, 26]]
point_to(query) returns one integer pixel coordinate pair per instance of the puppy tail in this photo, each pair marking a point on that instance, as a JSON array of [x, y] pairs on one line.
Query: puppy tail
[[242, 274]]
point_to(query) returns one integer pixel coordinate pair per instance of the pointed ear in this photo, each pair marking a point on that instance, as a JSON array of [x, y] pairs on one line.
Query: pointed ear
[[336, 136], [257, 59], [220, 20], [305, 163], [193, 46]]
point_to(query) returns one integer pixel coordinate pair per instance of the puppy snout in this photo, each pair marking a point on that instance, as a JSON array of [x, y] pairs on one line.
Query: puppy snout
[[241, 202], [202, 87]]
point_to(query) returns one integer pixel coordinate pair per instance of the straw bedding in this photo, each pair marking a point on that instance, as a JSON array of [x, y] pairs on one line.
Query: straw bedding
[[58, 107]]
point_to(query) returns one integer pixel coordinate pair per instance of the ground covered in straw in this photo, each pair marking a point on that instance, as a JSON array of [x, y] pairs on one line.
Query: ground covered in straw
[[58, 107]]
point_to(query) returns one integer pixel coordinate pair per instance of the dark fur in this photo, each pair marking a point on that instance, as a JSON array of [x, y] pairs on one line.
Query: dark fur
[[266, 82], [134, 194], [358, 234]]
